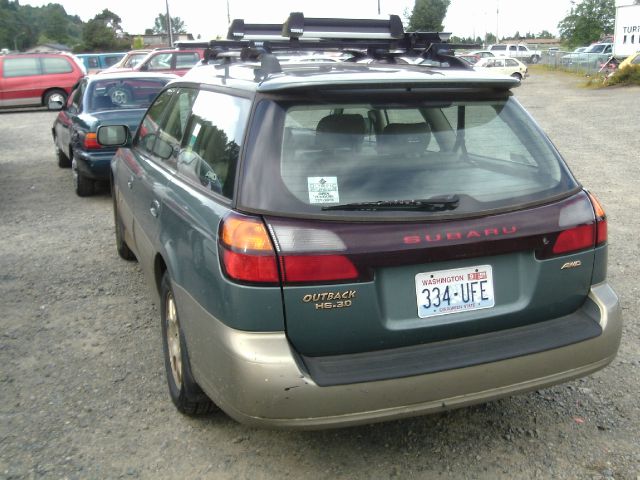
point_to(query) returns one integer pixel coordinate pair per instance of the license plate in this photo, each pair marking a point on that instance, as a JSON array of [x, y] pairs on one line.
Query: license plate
[[454, 291]]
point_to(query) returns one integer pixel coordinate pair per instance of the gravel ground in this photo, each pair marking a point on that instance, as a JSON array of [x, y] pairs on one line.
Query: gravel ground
[[82, 388]]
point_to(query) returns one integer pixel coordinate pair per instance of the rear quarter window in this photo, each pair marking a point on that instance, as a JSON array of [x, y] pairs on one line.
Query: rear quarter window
[[212, 142], [52, 65]]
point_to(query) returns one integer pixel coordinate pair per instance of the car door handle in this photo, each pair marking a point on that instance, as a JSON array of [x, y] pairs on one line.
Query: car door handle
[[130, 182], [155, 209]]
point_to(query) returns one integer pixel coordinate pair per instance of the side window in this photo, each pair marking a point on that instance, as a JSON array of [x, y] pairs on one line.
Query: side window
[[212, 142], [511, 63], [111, 60], [150, 125], [162, 61], [186, 60], [75, 99], [21, 67], [522, 48], [56, 65], [513, 48], [173, 126]]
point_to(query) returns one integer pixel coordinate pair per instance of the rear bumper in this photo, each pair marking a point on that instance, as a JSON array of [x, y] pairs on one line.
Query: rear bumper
[[257, 379], [94, 165]]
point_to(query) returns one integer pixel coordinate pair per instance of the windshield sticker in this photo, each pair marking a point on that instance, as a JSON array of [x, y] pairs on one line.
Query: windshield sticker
[[323, 190]]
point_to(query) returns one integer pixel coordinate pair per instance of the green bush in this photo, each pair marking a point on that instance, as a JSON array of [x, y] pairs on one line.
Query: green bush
[[626, 76]]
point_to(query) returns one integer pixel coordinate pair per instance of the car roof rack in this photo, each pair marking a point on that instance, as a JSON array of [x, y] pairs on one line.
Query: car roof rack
[[362, 38]]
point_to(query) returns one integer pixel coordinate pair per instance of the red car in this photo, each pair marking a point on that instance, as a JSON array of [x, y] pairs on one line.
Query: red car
[[33, 79]]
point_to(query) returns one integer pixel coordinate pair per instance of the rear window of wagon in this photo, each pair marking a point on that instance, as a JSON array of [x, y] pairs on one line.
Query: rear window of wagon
[[488, 153]]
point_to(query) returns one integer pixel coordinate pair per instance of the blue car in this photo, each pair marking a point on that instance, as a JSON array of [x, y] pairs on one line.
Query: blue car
[[117, 98], [95, 62]]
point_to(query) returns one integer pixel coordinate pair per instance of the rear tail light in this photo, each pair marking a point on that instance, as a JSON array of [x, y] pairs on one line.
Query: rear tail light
[[574, 239], [91, 141], [601, 220], [247, 253], [590, 232], [248, 256]]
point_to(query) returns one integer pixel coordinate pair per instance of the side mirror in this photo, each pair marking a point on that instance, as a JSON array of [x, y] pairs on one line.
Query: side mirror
[[55, 105], [114, 136]]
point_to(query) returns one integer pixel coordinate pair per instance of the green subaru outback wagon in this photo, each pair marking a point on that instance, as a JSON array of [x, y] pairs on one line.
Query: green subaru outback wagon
[[341, 243]]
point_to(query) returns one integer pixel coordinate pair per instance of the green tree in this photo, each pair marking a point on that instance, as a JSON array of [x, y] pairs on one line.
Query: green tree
[[545, 34], [22, 27], [104, 33], [160, 24], [587, 22], [427, 15]]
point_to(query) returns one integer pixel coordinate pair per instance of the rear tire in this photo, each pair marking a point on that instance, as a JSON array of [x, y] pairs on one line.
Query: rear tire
[[63, 160], [185, 393], [517, 76], [82, 185]]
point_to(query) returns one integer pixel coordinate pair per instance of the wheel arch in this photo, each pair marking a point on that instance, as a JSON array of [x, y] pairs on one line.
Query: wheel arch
[[159, 269]]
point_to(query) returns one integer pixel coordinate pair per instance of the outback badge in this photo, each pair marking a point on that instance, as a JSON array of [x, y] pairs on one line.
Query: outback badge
[[330, 300]]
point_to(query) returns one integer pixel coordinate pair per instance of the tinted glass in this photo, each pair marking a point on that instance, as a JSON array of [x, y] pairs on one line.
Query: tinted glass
[[173, 125], [499, 47], [488, 153], [21, 67], [150, 125], [56, 65], [213, 139], [123, 93]]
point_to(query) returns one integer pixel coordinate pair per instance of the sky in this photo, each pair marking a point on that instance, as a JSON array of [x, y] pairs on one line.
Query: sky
[[464, 17]]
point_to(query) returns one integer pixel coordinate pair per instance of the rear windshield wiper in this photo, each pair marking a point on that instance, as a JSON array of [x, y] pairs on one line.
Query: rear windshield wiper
[[433, 204]]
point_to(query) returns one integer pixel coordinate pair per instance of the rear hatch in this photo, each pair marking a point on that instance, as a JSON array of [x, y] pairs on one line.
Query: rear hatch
[[403, 219]]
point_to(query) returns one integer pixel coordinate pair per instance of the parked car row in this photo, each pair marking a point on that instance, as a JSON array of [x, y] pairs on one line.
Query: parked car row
[[588, 57], [33, 79]]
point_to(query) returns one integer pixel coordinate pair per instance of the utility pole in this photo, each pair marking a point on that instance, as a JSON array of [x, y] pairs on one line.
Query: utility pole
[[378, 7], [169, 26], [228, 14], [497, 16]]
